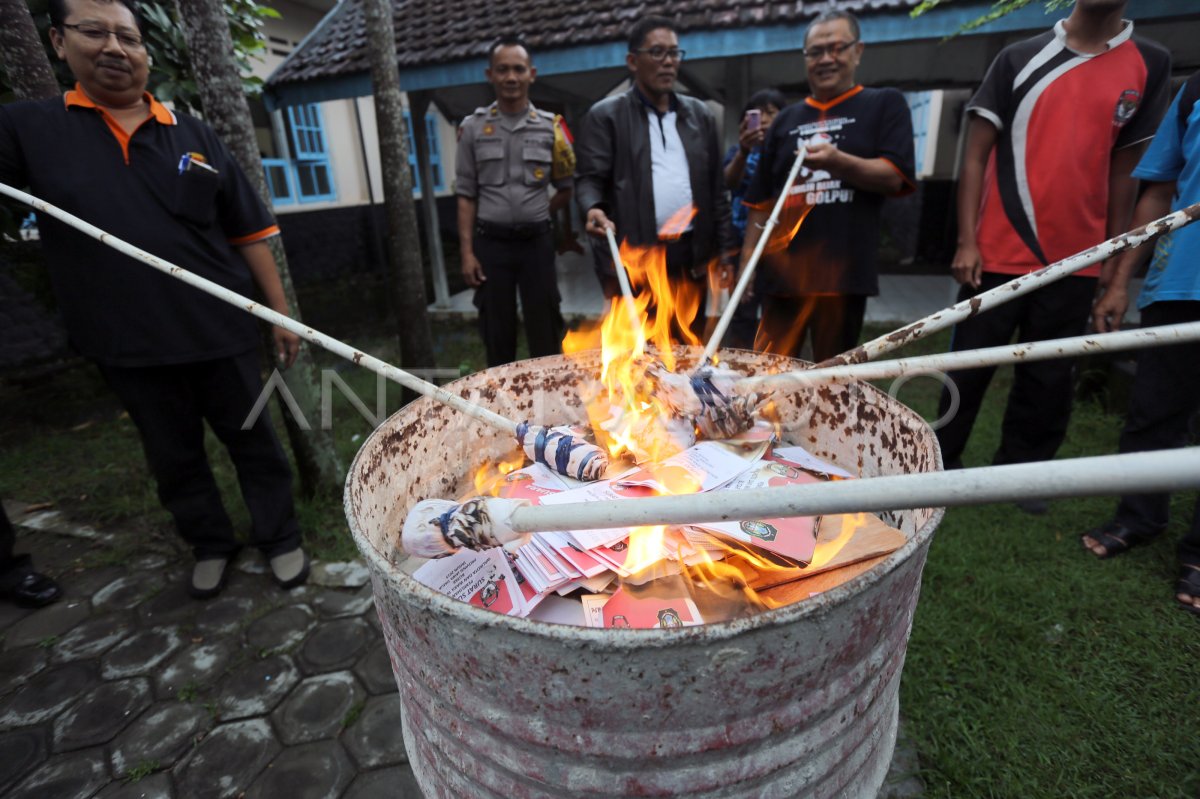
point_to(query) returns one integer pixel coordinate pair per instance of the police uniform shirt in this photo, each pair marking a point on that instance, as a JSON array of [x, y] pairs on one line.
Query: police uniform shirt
[[504, 163], [118, 311]]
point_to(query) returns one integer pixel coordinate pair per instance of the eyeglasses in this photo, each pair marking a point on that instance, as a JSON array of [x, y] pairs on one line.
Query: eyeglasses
[[97, 35], [663, 53], [836, 49]]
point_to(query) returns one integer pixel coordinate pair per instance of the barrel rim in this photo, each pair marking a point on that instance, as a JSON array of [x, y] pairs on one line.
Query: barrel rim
[[426, 598]]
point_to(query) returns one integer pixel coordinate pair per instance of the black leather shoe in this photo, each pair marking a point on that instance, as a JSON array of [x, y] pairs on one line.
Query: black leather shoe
[[33, 590]]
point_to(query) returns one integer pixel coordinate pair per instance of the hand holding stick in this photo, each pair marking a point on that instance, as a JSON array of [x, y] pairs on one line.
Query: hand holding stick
[[714, 341]]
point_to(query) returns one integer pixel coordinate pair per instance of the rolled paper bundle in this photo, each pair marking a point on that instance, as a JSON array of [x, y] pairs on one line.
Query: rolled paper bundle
[[564, 450], [708, 400], [436, 528]]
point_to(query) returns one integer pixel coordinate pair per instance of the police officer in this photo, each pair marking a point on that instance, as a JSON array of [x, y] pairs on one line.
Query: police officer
[[508, 154]]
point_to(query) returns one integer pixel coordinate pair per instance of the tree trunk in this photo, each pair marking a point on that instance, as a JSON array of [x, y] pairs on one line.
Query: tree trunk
[[210, 50], [22, 57], [404, 248]]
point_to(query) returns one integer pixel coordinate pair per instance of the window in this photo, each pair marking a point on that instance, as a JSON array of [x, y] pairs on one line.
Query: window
[[310, 159], [435, 155], [279, 181]]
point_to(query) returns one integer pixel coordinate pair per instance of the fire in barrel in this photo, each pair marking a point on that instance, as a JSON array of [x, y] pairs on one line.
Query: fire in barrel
[[758, 657]]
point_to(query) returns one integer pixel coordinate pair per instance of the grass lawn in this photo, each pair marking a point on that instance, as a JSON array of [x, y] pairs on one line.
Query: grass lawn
[[1033, 670]]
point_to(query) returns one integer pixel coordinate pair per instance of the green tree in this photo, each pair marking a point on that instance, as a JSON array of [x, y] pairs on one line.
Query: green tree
[[999, 9]]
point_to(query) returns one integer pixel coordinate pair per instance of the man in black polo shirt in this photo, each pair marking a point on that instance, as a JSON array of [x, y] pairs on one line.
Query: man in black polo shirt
[[859, 151], [110, 153]]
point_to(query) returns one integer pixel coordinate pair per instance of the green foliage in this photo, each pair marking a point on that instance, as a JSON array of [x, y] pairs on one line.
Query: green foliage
[[999, 9], [142, 770]]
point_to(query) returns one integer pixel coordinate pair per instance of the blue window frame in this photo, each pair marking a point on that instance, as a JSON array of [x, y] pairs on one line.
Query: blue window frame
[[311, 176], [435, 153], [279, 180]]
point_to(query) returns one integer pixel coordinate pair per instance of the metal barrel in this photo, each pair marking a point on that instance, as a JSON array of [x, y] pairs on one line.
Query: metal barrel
[[801, 701]]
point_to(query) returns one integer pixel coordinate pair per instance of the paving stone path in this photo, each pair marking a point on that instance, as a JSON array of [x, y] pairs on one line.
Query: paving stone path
[[129, 688]]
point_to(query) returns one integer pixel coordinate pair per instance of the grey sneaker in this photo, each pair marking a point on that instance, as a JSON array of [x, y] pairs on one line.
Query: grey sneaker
[[291, 568], [208, 578]]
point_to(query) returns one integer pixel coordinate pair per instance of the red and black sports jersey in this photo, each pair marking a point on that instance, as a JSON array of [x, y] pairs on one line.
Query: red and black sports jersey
[[1060, 115]]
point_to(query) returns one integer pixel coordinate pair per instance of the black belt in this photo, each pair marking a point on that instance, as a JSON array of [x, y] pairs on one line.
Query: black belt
[[529, 230]]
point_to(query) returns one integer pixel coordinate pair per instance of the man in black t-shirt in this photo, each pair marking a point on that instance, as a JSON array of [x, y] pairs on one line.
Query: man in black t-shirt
[[110, 153], [859, 151]]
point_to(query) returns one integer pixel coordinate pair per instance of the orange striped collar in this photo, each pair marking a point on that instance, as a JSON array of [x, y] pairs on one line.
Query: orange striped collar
[[160, 112], [817, 104]]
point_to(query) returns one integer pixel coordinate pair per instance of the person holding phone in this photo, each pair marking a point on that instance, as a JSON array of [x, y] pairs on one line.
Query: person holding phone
[[741, 162]]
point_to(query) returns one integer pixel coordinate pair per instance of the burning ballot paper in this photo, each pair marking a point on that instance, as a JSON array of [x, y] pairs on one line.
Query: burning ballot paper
[[793, 537], [663, 604]]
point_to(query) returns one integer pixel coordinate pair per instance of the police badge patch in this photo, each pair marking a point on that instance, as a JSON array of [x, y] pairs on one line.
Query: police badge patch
[[1127, 106], [766, 532]]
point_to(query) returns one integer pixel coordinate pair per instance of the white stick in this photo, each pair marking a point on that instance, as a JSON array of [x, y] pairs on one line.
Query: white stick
[[1016, 287], [714, 341], [974, 359], [623, 278], [262, 312], [1141, 472]]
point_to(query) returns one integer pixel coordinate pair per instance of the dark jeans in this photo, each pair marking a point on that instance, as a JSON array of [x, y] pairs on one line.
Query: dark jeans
[[1039, 405], [1165, 397], [527, 266], [835, 321], [169, 405]]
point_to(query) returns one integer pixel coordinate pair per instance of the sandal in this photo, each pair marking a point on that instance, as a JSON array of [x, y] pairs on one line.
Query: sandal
[[1115, 538], [1189, 584]]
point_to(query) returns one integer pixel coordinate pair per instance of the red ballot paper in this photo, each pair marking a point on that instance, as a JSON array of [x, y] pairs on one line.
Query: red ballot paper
[[647, 612], [792, 537], [500, 594]]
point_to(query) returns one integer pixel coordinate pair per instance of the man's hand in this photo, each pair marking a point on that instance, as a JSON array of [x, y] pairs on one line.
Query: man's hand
[[598, 222], [287, 347], [472, 270], [723, 275], [967, 265], [823, 155], [1109, 310]]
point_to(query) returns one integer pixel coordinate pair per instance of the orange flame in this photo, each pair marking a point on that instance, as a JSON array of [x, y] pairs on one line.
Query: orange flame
[[826, 551], [678, 223], [489, 478]]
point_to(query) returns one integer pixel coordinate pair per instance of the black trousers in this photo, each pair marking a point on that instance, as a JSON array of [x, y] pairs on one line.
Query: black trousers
[[680, 257], [1039, 405], [834, 320], [11, 566], [512, 266], [1165, 397], [169, 405]]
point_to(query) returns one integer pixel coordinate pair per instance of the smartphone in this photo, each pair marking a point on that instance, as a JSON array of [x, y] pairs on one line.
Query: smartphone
[[753, 119]]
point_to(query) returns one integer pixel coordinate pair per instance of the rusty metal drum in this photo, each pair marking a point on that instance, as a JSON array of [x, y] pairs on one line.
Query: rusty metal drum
[[800, 701]]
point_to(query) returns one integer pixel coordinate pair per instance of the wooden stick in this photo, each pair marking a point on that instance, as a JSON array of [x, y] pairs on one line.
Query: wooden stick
[[1164, 335], [1140, 472], [623, 278], [714, 341], [262, 312], [1015, 288]]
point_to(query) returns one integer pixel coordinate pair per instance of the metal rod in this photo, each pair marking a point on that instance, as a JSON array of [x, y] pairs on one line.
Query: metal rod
[[405, 379], [1015, 288], [714, 341], [635, 322], [1141, 472], [1164, 335]]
